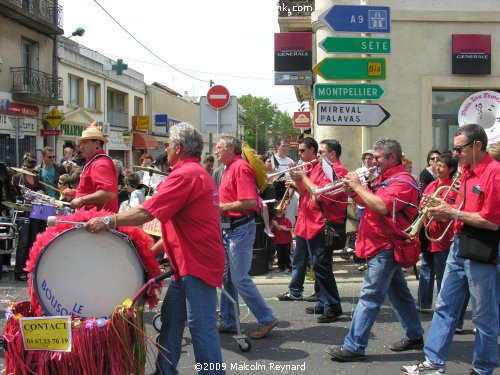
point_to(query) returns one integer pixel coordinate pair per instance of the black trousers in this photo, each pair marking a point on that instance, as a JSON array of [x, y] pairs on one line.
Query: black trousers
[[283, 252]]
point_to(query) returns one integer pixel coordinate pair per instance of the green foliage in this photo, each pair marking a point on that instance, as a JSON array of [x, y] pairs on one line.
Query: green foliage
[[271, 123]]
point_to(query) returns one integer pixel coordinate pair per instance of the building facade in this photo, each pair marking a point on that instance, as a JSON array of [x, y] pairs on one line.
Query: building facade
[[29, 82], [93, 91], [421, 92]]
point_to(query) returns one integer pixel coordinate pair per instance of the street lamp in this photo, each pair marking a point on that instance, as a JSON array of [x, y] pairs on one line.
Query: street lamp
[[78, 32]]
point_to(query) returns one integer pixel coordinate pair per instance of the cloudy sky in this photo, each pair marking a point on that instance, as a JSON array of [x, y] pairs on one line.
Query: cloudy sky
[[228, 41]]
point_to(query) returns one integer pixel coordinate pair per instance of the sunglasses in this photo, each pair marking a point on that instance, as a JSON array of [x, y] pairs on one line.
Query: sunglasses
[[50, 157], [434, 158], [459, 149], [301, 150]]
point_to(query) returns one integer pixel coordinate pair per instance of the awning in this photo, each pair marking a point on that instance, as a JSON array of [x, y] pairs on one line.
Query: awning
[[145, 141]]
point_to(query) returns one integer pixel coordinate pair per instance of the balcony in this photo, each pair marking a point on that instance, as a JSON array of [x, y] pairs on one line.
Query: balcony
[[36, 87], [117, 118], [295, 15], [44, 16]]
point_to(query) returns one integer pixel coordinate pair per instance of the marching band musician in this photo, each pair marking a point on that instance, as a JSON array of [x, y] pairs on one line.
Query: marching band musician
[[433, 258], [98, 187], [472, 267], [239, 201], [384, 277], [186, 204], [310, 231]]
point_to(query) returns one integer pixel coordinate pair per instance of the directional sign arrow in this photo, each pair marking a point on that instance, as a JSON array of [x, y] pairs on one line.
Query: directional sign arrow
[[350, 114], [360, 91], [351, 68], [358, 19], [335, 44]]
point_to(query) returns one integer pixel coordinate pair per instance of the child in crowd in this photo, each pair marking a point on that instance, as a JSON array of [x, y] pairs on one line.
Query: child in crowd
[[282, 228]]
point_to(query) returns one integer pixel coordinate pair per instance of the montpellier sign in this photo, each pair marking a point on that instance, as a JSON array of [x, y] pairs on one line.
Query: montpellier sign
[[355, 91], [350, 114]]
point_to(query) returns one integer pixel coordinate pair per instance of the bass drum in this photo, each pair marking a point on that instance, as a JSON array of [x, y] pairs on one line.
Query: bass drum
[[87, 275]]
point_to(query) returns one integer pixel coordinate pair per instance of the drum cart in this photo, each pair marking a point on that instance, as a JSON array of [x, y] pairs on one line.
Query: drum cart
[[241, 339]]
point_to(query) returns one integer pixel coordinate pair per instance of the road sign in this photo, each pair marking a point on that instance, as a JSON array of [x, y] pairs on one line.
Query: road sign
[[213, 121], [358, 19], [350, 114], [218, 97], [328, 91], [54, 117], [335, 44], [46, 132], [351, 68]]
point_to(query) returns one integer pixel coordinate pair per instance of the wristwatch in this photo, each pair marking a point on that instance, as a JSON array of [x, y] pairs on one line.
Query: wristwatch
[[106, 221]]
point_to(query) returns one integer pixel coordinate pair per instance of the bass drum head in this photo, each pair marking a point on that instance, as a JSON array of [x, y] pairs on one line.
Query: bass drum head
[[87, 275], [482, 108]]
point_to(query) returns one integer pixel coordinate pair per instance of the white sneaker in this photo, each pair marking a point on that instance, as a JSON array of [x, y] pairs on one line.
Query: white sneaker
[[268, 232], [5, 268], [422, 368]]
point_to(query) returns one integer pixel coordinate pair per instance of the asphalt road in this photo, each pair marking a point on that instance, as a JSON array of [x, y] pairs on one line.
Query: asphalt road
[[298, 341]]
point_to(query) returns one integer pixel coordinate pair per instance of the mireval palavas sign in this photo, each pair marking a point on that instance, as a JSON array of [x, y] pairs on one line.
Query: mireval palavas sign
[[350, 114]]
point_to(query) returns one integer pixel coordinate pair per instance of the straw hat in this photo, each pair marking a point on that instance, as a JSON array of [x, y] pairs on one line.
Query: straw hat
[[93, 131]]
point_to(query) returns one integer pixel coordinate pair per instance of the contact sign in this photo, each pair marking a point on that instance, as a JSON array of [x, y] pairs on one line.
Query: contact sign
[[47, 333]]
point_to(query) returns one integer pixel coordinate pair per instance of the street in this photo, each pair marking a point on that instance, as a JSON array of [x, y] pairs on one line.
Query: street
[[297, 345]]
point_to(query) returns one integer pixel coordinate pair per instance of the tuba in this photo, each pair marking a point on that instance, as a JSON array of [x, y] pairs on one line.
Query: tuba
[[433, 201]]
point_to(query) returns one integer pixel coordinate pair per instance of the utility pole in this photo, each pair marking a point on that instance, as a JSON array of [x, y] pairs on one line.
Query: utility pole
[[256, 138]]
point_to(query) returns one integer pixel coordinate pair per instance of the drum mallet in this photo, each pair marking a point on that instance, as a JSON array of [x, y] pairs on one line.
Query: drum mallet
[[52, 221]]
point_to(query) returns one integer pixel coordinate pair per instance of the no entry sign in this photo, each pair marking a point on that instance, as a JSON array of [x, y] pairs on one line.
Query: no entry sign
[[218, 97]]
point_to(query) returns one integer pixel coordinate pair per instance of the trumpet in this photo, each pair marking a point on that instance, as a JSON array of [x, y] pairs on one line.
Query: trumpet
[[338, 186], [285, 201], [433, 201], [303, 165]]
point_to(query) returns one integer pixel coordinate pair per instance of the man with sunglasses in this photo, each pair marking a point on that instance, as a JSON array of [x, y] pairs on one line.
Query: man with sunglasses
[[477, 225], [50, 171]]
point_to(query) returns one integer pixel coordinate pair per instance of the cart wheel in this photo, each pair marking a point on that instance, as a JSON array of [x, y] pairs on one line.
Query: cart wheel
[[245, 346], [157, 322]]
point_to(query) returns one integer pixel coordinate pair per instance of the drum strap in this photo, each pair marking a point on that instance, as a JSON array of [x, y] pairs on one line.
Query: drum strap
[[94, 158]]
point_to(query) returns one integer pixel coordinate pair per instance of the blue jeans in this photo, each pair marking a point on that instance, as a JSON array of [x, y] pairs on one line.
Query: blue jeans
[[321, 259], [483, 282], [384, 277], [192, 299], [432, 267], [300, 259], [238, 245]]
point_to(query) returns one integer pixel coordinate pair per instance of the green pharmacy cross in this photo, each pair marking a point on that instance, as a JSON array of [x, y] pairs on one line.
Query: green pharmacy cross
[[119, 67]]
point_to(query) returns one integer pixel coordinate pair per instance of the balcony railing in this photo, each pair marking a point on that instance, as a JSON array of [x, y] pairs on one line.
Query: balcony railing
[[36, 86], [46, 9], [295, 8], [118, 118]]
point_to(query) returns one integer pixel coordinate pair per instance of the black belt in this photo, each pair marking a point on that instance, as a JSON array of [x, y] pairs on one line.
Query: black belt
[[240, 220]]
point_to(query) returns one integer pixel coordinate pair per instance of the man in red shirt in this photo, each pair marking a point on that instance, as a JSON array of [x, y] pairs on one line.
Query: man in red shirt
[[98, 187], [238, 203], [384, 277], [477, 226], [186, 204]]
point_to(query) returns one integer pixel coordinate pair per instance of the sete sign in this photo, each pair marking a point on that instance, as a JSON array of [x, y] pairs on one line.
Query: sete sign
[[334, 44], [218, 97]]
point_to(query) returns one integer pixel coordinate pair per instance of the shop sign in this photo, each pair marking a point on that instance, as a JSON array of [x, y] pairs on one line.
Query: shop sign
[[72, 130], [140, 122], [17, 109], [161, 120], [26, 124], [117, 142]]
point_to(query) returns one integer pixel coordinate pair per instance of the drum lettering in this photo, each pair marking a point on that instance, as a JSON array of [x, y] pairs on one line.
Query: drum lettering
[[64, 311], [78, 310]]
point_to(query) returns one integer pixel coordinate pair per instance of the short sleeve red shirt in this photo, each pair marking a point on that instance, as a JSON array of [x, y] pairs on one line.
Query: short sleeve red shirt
[[436, 228], [187, 206], [310, 218], [375, 230], [335, 206], [282, 237], [481, 189], [100, 174], [238, 183]]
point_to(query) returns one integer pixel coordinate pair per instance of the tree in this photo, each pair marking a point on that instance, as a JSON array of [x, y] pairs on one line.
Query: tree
[[265, 119]]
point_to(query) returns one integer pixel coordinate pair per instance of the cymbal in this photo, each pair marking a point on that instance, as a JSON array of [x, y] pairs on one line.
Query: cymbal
[[149, 169], [24, 171], [17, 206]]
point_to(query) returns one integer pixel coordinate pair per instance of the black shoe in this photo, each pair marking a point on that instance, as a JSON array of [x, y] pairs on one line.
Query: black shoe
[[21, 277], [311, 298], [289, 296], [338, 353], [330, 317], [404, 345], [472, 372], [314, 310]]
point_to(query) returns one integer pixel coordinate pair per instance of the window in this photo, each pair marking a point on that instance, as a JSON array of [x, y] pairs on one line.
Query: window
[[137, 106], [74, 90], [92, 90]]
